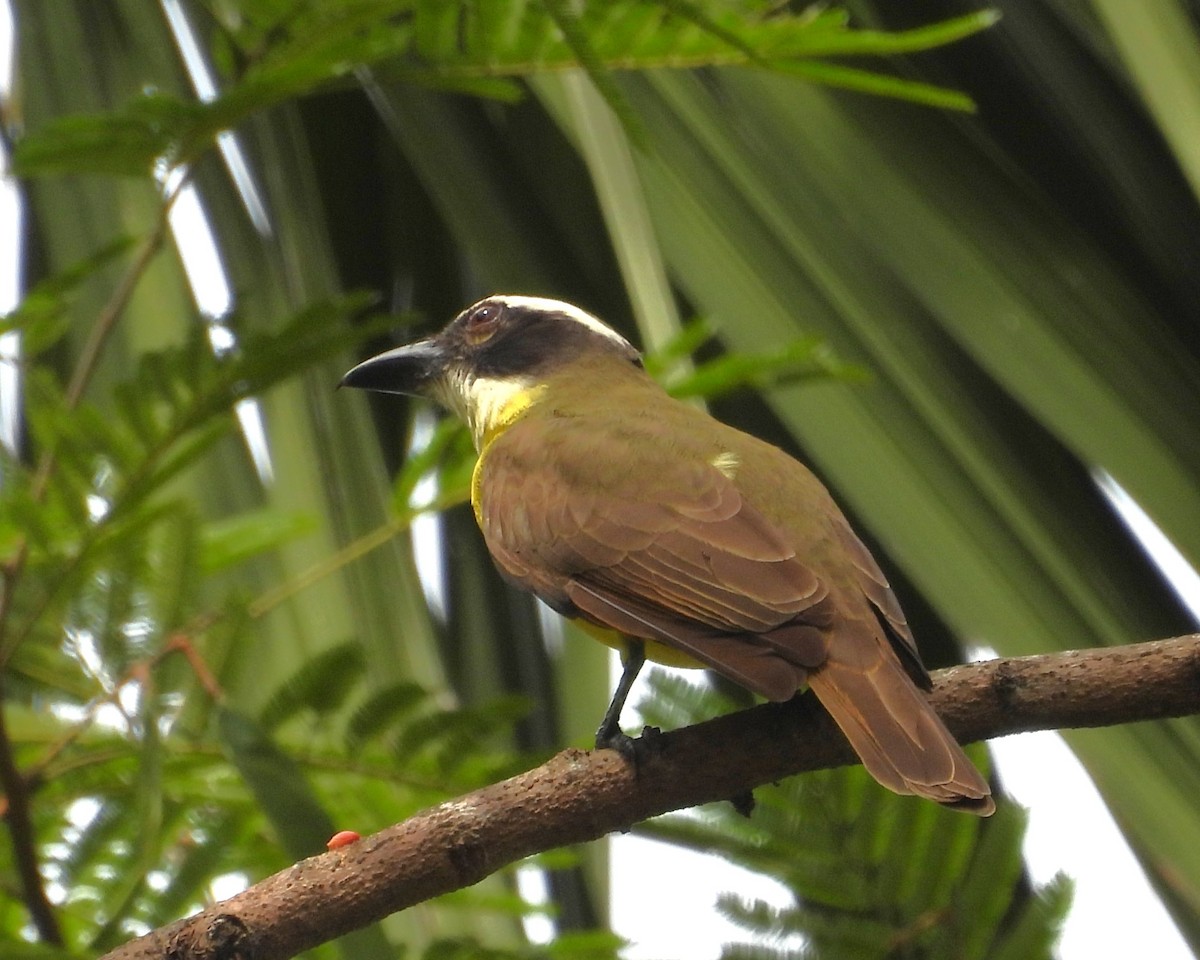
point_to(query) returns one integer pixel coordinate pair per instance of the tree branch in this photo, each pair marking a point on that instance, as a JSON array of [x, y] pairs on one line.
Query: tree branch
[[579, 796], [14, 807]]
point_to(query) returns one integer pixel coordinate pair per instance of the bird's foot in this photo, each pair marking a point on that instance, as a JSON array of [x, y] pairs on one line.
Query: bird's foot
[[650, 743], [617, 739], [635, 750]]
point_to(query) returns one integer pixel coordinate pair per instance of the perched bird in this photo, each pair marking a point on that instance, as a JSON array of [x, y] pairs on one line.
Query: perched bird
[[683, 540]]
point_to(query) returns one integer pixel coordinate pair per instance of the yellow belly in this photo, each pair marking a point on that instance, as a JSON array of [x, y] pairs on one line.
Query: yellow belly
[[655, 652]]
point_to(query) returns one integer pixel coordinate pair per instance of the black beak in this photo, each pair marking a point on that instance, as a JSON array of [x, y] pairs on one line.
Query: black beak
[[408, 369]]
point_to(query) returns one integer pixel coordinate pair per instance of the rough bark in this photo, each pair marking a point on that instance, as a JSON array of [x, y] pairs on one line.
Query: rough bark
[[579, 795]]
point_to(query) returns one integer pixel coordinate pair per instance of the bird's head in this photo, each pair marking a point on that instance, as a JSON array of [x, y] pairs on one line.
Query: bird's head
[[495, 355]]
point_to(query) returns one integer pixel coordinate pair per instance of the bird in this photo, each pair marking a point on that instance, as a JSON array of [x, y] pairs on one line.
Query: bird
[[674, 537]]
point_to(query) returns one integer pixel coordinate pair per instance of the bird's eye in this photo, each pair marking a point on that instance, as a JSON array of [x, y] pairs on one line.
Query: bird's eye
[[483, 321]]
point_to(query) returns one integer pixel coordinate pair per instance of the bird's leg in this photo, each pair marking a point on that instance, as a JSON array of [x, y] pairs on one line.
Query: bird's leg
[[610, 735]]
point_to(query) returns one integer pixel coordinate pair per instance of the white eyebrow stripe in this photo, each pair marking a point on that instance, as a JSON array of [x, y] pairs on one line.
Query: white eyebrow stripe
[[568, 310]]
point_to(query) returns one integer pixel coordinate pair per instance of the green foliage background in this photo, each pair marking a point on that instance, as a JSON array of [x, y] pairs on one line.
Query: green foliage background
[[959, 318]]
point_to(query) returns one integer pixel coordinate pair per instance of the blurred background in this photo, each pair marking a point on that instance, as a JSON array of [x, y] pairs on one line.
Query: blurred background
[[944, 252]]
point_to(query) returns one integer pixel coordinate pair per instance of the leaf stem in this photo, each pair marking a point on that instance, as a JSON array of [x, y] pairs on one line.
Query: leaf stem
[[347, 554], [24, 843], [179, 642]]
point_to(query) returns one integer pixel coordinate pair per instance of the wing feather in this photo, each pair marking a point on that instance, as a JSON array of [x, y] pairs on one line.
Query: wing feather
[[878, 591], [683, 540]]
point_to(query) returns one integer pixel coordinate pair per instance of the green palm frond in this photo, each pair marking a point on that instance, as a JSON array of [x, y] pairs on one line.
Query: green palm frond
[[294, 49]]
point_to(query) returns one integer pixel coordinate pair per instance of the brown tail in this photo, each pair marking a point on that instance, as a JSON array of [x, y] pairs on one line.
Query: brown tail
[[892, 727]]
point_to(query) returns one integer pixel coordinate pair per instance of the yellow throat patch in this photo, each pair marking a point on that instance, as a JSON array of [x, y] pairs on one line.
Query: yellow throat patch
[[492, 407]]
